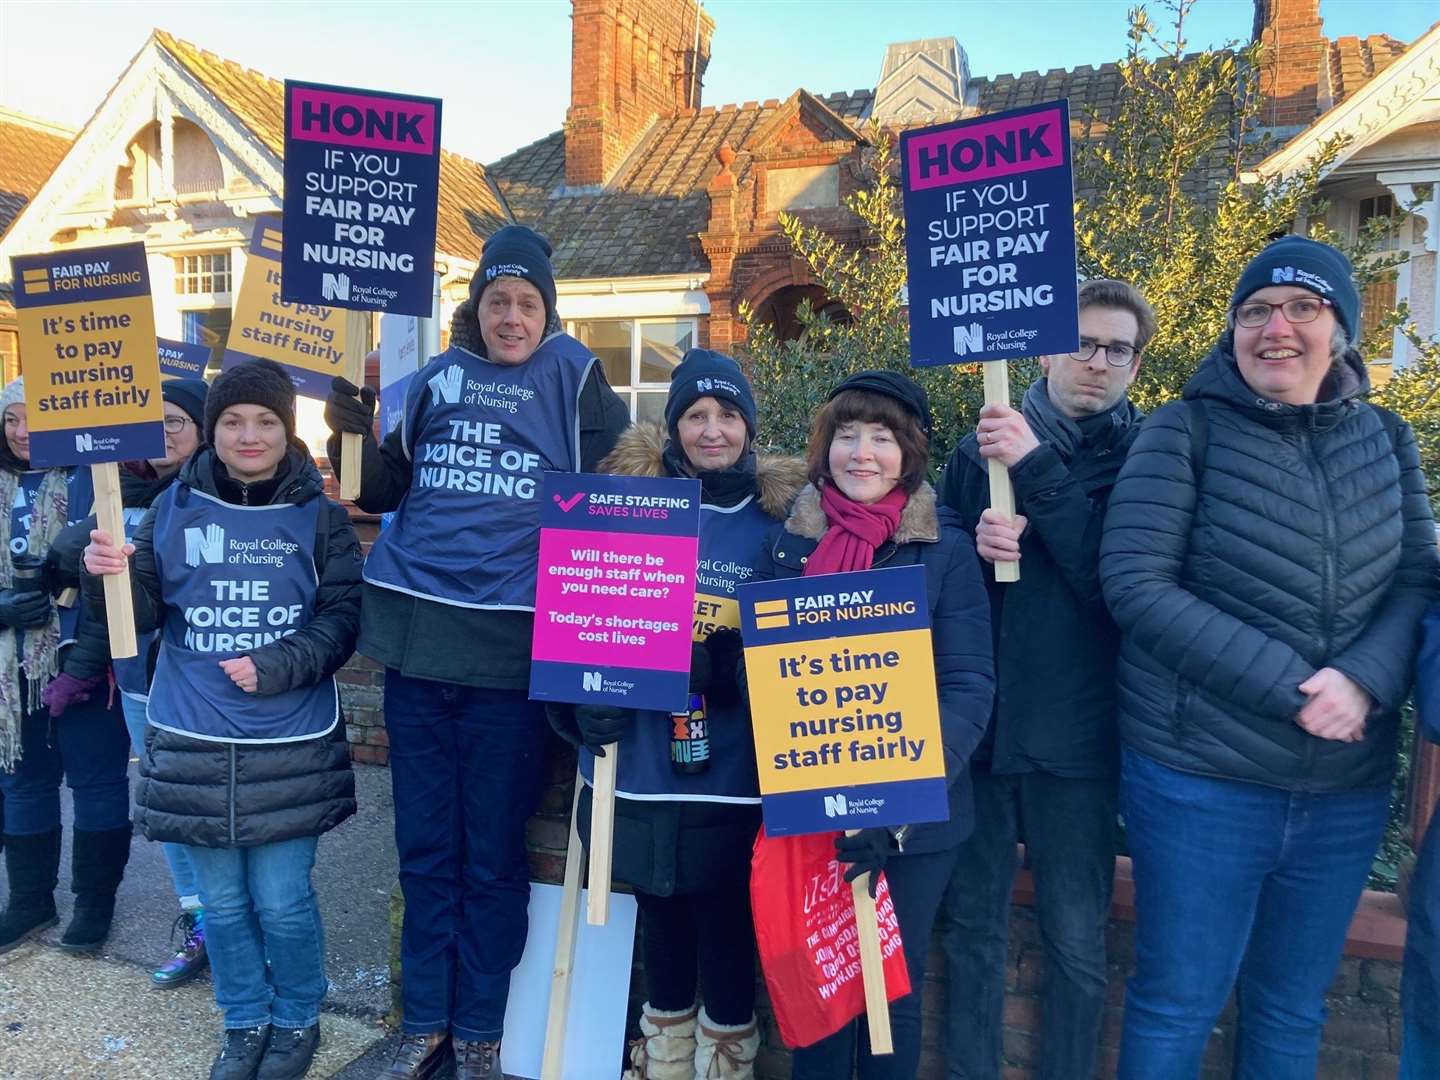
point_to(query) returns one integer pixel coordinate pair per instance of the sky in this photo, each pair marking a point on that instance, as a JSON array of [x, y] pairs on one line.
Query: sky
[[503, 66]]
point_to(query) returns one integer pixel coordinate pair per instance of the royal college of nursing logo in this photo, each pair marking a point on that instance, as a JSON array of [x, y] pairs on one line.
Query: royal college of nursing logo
[[84, 442], [591, 681], [335, 286], [835, 805], [204, 545], [445, 385]]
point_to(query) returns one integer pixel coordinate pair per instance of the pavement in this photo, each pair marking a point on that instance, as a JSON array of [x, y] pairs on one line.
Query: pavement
[[99, 1018]]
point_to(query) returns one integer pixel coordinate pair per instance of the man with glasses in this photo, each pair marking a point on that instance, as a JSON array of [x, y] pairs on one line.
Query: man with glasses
[[1045, 773]]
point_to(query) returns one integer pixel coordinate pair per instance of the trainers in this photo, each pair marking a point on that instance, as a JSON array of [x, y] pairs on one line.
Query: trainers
[[190, 959], [417, 1057], [477, 1060], [290, 1052], [241, 1054]]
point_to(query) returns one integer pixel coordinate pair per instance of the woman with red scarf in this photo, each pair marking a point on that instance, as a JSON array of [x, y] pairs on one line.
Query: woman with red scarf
[[868, 506]]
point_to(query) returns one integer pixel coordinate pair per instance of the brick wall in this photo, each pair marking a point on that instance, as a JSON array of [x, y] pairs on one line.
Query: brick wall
[[1295, 49]]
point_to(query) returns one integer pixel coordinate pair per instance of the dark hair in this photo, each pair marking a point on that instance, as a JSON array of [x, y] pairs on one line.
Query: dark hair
[[868, 407], [1109, 293]]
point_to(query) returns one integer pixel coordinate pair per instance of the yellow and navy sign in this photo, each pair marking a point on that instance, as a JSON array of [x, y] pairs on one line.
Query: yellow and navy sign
[[87, 336], [308, 340], [843, 702]]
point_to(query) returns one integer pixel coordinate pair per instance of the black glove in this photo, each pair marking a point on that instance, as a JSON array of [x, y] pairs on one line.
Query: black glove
[[866, 851], [601, 725], [25, 610], [699, 668], [347, 414], [725, 650]]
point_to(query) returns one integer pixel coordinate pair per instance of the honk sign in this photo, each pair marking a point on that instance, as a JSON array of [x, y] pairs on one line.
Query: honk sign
[[843, 701]]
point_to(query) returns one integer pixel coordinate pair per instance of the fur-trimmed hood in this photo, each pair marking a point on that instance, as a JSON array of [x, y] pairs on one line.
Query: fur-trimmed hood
[[778, 477], [919, 521]]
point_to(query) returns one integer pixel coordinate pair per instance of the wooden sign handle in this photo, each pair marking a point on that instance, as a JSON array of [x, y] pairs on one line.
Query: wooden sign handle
[[872, 964], [119, 604], [1002, 495], [602, 835], [566, 936], [357, 347]]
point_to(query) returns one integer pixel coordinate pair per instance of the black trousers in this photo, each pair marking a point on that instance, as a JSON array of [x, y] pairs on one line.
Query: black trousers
[[705, 939]]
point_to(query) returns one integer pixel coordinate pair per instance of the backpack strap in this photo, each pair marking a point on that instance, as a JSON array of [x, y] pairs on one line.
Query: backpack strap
[[1391, 423]]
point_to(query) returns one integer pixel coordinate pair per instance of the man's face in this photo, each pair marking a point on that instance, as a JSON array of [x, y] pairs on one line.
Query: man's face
[[1086, 387], [512, 319]]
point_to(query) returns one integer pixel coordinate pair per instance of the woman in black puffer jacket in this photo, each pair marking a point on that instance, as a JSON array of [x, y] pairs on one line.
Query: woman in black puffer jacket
[[1268, 554], [252, 577]]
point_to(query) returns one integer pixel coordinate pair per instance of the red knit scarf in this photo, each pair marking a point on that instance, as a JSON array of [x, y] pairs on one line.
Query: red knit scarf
[[856, 530]]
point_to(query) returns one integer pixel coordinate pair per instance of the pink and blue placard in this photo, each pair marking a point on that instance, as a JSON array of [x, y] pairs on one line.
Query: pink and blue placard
[[615, 591], [362, 184], [990, 237]]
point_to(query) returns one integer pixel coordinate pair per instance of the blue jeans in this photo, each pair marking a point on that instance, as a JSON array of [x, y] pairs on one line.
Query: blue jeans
[[259, 905], [1237, 884], [1420, 984], [181, 872], [87, 748], [916, 884], [1068, 826], [467, 766]]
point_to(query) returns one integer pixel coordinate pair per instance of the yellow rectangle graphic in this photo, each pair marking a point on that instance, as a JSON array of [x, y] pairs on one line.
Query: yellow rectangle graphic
[[34, 288], [269, 238], [771, 622], [771, 607], [39, 273]]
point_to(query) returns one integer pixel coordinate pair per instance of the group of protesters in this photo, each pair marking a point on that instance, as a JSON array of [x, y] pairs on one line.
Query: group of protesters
[[1217, 621]]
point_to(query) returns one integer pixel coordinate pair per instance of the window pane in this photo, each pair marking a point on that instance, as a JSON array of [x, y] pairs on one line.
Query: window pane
[[661, 347], [650, 406], [609, 339]]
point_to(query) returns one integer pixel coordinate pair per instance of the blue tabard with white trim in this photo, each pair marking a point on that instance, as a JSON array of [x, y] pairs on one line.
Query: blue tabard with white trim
[[79, 501], [132, 673], [479, 436], [233, 579], [730, 543]]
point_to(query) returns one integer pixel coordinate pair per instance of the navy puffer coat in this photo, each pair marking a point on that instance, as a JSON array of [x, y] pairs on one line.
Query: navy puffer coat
[[1302, 540]]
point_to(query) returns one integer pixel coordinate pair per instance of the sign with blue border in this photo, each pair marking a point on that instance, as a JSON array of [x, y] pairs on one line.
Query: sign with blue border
[[182, 359]]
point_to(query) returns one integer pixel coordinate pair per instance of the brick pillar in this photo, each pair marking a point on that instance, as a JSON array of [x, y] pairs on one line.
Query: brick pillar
[[719, 244], [1295, 50]]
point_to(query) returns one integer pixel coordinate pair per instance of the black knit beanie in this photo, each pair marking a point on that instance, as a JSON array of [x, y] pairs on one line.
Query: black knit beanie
[[703, 373], [892, 384], [255, 382], [516, 251], [188, 395], [1306, 264]]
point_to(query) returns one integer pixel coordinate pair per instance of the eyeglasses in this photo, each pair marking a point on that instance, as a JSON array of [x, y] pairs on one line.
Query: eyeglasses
[[1117, 353], [176, 424], [1302, 309]]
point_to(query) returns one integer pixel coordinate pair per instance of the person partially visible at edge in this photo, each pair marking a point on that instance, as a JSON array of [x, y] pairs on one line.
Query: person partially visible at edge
[[1420, 979], [245, 760], [141, 483], [683, 838], [1046, 771], [449, 607], [56, 719], [1268, 554], [868, 505]]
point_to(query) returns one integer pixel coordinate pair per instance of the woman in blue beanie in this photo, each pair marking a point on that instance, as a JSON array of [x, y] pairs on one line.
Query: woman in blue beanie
[[1268, 554]]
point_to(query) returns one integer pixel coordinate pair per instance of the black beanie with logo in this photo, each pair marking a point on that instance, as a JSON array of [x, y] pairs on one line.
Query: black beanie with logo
[[705, 373], [521, 252], [255, 382]]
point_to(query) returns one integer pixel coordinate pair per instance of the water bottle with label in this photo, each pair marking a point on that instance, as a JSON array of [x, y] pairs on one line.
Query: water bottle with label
[[690, 738]]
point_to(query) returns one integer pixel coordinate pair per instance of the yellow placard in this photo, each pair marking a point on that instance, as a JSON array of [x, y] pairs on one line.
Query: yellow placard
[[715, 613]]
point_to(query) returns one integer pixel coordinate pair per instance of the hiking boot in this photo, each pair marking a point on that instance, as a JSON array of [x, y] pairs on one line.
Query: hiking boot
[[240, 1056], [33, 866], [190, 959], [97, 865], [290, 1052], [418, 1057], [477, 1060]]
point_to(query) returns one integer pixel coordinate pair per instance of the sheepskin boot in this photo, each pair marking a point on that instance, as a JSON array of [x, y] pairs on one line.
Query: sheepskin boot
[[723, 1052], [667, 1049]]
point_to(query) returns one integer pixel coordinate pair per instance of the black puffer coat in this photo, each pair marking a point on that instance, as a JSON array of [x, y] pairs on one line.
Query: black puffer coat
[[210, 794], [1308, 544]]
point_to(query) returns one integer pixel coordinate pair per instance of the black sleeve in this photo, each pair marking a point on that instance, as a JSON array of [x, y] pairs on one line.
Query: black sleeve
[[89, 655], [62, 561], [385, 471], [965, 486], [322, 646], [603, 416], [144, 581], [964, 657], [1064, 519]]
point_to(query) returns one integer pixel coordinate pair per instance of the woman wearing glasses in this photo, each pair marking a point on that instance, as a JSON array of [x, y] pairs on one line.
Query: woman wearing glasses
[[1268, 554]]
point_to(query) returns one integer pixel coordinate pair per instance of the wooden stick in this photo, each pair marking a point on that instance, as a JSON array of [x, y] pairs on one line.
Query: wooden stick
[[119, 604], [602, 834], [565, 939], [872, 964], [1002, 495], [357, 346]]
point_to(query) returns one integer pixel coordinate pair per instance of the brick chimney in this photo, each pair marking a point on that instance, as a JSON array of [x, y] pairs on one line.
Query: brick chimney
[[630, 61], [1295, 53]]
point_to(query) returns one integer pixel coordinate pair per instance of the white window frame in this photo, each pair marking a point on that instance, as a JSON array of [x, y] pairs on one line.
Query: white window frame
[[631, 390]]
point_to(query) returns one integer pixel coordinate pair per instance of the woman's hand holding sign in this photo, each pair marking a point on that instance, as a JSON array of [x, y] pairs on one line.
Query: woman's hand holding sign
[[103, 557]]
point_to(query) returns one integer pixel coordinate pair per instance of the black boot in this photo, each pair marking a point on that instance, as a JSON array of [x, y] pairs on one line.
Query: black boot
[[97, 865], [33, 864]]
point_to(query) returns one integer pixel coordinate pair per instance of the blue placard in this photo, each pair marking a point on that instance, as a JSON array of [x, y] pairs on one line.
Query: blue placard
[[182, 359], [362, 184], [843, 703], [990, 237]]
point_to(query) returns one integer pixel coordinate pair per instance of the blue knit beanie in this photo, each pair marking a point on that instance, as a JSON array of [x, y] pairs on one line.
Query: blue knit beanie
[[703, 373], [1306, 264]]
